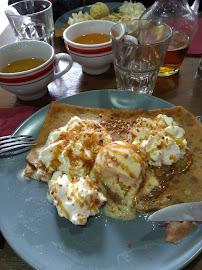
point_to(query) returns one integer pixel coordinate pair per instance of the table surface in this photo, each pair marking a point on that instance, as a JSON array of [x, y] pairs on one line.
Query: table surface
[[183, 88]]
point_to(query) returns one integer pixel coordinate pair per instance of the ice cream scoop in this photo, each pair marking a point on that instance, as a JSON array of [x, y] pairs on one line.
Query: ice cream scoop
[[119, 170]]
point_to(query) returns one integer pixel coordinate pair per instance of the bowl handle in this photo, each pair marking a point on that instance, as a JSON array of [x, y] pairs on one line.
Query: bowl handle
[[62, 56]]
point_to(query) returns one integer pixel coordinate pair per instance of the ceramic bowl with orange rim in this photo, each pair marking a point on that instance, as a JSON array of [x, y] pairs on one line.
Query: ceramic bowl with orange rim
[[89, 44]]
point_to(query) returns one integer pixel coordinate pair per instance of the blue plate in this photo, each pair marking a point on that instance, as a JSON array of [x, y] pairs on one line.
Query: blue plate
[[65, 17], [46, 241]]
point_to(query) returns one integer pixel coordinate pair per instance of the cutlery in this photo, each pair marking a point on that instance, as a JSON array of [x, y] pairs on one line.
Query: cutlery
[[179, 212], [13, 142]]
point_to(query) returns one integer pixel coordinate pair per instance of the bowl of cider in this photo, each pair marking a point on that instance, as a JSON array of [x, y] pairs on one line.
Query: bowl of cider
[[89, 44], [28, 66]]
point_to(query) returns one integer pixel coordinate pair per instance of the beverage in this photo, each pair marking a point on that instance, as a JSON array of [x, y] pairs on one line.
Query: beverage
[[92, 38], [22, 65], [184, 23], [142, 81], [175, 55]]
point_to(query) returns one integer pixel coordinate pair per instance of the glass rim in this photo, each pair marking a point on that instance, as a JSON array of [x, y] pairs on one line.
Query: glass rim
[[49, 6], [169, 35]]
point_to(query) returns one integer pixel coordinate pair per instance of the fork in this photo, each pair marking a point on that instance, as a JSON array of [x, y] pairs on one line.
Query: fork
[[13, 142], [199, 118]]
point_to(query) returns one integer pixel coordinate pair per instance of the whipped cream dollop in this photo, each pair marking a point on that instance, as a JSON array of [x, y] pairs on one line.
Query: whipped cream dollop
[[162, 139], [72, 149], [75, 199]]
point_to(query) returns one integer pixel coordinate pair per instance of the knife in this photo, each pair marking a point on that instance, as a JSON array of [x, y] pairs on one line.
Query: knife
[[179, 212]]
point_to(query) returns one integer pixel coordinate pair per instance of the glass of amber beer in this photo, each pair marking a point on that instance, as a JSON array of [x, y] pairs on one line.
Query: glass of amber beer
[[177, 50], [183, 22]]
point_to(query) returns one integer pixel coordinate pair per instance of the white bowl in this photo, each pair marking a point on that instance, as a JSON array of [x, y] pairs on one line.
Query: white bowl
[[31, 84], [94, 58]]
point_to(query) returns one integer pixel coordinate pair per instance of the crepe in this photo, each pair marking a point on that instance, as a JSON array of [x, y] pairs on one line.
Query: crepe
[[184, 187], [176, 231]]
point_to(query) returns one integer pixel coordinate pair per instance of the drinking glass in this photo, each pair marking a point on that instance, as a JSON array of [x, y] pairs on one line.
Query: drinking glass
[[139, 48], [184, 23], [32, 19]]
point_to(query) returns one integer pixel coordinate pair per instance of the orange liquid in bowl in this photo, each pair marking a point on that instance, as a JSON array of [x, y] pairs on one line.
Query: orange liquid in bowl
[[22, 65], [92, 38]]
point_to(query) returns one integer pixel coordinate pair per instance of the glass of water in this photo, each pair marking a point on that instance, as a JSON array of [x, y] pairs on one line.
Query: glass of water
[[32, 19], [139, 48]]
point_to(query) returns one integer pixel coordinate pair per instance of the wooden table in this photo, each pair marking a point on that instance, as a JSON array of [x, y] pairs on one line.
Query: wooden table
[[183, 88]]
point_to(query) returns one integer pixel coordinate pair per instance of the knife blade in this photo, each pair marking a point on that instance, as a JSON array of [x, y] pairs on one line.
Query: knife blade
[[179, 212]]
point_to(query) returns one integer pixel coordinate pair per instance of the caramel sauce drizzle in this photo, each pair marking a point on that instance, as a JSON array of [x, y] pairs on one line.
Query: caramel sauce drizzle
[[91, 143], [165, 175], [59, 203], [188, 164]]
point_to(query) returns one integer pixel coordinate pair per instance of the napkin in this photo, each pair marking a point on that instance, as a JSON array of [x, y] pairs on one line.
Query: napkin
[[11, 118], [196, 44]]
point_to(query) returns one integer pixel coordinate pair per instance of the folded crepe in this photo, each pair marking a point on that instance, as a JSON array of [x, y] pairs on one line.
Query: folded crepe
[[182, 187]]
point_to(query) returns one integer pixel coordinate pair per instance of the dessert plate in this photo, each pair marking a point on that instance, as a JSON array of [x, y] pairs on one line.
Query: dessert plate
[[46, 241]]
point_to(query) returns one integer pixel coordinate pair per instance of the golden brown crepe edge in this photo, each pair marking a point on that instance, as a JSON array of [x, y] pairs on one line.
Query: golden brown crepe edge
[[176, 231]]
